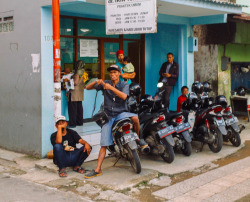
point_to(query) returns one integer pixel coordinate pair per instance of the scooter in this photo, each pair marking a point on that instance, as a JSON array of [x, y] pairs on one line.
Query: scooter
[[206, 123], [233, 129], [153, 127], [181, 136], [124, 138]]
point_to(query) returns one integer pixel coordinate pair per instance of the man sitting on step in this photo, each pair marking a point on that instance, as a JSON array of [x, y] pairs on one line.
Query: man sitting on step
[[66, 154]]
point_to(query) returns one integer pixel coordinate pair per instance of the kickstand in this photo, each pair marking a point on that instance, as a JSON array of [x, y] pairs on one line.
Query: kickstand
[[116, 161], [202, 145]]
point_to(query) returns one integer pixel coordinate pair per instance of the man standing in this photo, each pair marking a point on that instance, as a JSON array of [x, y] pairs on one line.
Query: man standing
[[168, 75], [115, 94], [64, 148], [120, 63]]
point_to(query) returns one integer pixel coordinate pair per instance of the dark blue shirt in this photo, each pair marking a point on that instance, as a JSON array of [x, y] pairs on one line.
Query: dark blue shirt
[[113, 105]]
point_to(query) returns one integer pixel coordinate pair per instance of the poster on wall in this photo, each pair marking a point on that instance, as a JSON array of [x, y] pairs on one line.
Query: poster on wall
[[88, 48], [130, 16]]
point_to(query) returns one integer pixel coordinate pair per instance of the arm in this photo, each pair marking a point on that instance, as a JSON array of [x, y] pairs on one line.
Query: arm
[[161, 70], [128, 75], [92, 85], [116, 91], [59, 133], [176, 73], [76, 79], [87, 147]]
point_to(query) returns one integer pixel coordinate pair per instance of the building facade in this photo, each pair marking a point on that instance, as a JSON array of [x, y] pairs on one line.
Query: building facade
[[26, 55]]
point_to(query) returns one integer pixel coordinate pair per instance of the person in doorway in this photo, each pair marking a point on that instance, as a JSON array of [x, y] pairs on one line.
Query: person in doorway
[[75, 98], [169, 73], [120, 63], [66, 154], [182, 98], [129, 67], [115, 94]]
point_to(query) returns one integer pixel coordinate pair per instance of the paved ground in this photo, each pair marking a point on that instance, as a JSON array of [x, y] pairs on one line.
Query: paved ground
[[227, 183], [16, 189], [194, 178]]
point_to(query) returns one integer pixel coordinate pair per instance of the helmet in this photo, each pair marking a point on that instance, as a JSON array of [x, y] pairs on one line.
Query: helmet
[[241, 91], [221, 100], [197, 87], [207, 86], [147, 100], [192, 101], [135, 89]]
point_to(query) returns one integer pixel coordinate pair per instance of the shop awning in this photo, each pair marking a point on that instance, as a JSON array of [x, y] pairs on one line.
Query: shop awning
[[197, 8], [194, 11]]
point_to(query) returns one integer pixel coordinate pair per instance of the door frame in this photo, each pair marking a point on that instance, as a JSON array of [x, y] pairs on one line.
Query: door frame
[[102, 52]]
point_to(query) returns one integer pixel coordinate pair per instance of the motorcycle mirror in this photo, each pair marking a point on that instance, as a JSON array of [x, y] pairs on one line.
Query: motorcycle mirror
[[159, 85]]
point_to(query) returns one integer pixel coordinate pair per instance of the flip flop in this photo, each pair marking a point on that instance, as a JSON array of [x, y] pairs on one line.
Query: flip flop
[[92, 174], [62, 173], [79, 169]]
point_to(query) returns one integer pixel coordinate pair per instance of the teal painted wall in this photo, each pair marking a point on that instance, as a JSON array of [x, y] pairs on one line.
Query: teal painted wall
[[47, 80]]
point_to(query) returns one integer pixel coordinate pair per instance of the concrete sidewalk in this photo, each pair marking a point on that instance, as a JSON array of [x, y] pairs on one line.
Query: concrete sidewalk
[[121, 183], [227, 183]]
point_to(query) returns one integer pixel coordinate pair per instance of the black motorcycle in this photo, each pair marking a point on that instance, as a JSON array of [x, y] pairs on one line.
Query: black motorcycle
[[233, 129], [153, 127], [181, 136], [124, 137], [206, 124]]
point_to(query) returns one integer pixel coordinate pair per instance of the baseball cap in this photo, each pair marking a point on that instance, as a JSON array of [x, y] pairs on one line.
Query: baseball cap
[[114, 67], [60, 118], [119, 52]]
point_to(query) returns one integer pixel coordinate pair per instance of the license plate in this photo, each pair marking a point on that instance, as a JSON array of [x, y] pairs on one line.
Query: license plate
[[231, 121], [182, 127], [166, 131], [220, 122], [128, 138]]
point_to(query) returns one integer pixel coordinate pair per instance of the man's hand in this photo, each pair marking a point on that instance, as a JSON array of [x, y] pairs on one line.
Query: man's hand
[[66, 80], [100, 82], [87, 148], [166, 75], [62, 126], [107, 86]]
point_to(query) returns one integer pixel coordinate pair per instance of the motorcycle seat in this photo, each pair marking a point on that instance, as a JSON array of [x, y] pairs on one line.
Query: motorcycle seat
[[119, 123], [171, 115]]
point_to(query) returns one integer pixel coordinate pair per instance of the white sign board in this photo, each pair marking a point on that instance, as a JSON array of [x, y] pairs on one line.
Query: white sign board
[[131, 16], [88, 48]]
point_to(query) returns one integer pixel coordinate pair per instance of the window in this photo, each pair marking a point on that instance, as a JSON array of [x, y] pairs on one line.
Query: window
[[6, 22], [74, 29]]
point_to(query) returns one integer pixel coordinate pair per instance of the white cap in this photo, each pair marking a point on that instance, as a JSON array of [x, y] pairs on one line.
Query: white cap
[[60, 118]]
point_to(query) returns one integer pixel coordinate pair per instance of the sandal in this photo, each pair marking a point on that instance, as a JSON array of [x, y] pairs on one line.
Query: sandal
[[92, 174], [62, 173], [79, 170]]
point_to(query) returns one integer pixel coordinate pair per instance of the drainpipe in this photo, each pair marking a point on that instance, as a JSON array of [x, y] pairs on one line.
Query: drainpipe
[[56, 58]]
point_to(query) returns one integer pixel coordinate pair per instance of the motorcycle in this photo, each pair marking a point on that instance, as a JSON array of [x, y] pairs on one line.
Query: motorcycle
[[179, 138], [233, 129], [153, 127], [207, 124], [124, 138]]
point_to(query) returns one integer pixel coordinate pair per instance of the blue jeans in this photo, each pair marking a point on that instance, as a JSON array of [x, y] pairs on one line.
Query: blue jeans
[[65, 159], [106, 133]]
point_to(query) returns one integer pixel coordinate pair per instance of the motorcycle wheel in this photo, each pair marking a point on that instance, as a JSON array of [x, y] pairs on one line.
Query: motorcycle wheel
[[235, 139], [168, 154], [187, 150], [217, 144], [134, 159]]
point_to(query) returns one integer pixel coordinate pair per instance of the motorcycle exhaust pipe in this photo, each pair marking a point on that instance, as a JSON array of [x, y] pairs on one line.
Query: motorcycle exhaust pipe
[[242, 127]]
